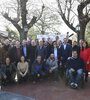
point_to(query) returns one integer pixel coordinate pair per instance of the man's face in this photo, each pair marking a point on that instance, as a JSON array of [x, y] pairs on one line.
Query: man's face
[[13, 42], [65, 40], [59, 42], [7, 60], [6, 42], [33, 43], [41, 43], [74, 43], [50, 42], [39, 59], [17, 44], [81, 42], [74, 54], [24, 42], [52, 56]]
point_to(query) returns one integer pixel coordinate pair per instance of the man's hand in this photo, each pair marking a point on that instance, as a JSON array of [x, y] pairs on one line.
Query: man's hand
[[72, 69], [61, 58], [50, 71], [87, 62], [5, 76], [38, 75], [22, 74]]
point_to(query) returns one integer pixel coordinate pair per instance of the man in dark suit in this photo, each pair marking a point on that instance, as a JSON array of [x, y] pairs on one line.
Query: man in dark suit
[[15, 53], [5, 49], [31, 53], [66, 51], [2, 74], [25, 49], [41, 50], [49, 48]]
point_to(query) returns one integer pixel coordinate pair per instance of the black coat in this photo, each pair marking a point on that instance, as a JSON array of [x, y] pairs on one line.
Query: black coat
[[27, 52], [41, 52], [14, 55], [65, 53], [49, 50], [32, 53]]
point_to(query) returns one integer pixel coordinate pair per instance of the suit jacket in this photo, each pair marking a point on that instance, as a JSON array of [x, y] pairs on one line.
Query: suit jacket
[[41, 52], [32, 51], [3, 53], [49, 50], [2, 70], [13, 54], [27, 52], [65, 53]]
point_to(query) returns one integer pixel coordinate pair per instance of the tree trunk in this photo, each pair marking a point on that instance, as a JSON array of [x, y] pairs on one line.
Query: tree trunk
[[82, 31], [23, 35], [81, 36], [43, 32]]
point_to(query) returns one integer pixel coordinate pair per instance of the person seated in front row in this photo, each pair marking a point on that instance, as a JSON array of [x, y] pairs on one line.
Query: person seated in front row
[[75, 68], [37, 68], [2, 74], [22, 70], [53, 66], [7, 72]]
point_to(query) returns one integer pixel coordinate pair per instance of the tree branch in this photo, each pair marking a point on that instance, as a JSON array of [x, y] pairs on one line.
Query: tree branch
[[41, 12], [83, 18], [64, 18], [32, 22], [35, 19], [12, 21]]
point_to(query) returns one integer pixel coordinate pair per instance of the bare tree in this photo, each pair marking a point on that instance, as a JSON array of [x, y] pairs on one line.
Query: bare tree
[[48, 21], [68, 9], [20, 21]]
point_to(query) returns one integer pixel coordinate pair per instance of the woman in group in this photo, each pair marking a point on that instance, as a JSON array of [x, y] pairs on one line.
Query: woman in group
[[22, 69], [85, 55]]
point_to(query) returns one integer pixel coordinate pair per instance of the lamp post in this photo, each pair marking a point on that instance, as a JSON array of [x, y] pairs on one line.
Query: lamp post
[[67, 36], [12, 36], [78, 31]]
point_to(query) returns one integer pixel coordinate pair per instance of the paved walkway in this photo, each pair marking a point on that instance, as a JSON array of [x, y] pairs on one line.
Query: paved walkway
[[50, 90]]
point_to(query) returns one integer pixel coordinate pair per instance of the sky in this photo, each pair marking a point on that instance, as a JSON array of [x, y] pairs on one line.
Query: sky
[[63, 28]]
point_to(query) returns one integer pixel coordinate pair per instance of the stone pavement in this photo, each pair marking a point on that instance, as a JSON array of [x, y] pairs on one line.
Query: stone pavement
[[12, 96], [50, 90]]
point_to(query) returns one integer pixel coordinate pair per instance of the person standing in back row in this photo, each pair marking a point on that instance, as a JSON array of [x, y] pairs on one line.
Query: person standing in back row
[[65, 51]]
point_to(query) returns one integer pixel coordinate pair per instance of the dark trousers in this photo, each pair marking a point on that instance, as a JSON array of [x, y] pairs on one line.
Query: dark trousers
[[22, 79]]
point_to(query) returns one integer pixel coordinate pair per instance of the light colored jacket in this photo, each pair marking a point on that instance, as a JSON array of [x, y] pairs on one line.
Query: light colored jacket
[[52, 64]]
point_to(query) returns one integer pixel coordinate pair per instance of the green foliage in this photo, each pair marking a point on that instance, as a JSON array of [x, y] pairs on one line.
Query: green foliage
[[33, 32], [12, 33]]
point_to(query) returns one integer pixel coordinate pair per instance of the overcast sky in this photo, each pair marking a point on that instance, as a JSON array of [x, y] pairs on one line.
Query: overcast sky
[[63, 28]]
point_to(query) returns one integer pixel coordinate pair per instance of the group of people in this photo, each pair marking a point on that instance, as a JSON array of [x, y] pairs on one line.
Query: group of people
[[41, 58]]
